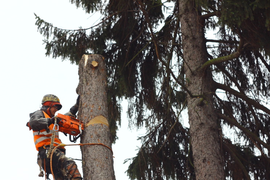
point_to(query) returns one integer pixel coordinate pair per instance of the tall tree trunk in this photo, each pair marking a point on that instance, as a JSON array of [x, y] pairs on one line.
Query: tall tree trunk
[[97, 159], [204, 129]]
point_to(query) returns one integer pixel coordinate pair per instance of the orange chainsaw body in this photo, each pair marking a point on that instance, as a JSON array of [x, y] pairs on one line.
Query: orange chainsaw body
[[70, 125]]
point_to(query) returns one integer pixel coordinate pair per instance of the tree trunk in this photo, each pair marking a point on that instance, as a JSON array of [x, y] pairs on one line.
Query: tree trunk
[[204, 129], [97, 159]]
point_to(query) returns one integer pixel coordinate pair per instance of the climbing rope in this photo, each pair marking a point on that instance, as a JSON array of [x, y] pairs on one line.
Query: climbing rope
[[54, 130], [80, 144]]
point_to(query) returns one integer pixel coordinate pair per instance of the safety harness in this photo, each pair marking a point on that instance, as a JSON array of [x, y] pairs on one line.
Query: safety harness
[[66, 124]]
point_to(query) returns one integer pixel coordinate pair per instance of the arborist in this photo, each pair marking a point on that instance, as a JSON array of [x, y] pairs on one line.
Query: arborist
[[43, 123]]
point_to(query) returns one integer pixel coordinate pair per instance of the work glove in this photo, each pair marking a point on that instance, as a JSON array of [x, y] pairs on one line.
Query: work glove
[[74, 109], [70, 114], [51, 120], [78, 100]]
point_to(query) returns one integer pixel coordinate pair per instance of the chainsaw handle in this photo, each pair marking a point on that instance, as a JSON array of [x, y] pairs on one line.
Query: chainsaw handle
[[74, 138]]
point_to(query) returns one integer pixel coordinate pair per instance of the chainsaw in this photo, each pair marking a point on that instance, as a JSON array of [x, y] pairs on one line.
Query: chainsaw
[[70, 125]]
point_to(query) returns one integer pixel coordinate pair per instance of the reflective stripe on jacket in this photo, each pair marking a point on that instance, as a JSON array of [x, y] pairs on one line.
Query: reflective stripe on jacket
[[43, 137]]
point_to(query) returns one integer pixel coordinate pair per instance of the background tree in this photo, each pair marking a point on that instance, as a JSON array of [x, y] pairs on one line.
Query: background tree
[[163, 61]]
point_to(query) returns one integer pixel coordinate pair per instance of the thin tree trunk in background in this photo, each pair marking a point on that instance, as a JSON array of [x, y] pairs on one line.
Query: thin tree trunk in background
[[204, 129], [97, 160]]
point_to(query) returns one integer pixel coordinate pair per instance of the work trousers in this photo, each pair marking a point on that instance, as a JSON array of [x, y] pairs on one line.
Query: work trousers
[[63, 168]]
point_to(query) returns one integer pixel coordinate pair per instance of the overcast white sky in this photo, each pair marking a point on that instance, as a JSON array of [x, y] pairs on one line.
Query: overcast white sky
[[26, 75]]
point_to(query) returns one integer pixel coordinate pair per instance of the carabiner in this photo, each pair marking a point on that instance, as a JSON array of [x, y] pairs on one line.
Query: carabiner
[[55, 127]]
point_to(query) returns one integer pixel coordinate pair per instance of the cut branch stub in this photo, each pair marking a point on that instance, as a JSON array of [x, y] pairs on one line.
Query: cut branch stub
[[94, 64]]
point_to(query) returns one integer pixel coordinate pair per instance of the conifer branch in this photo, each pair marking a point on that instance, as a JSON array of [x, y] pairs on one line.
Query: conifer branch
[[157, 50], [223, 58], [221, 41], [238, 161], [40, 22], [239, 88], [250, 134], [210, 14], [222, 69], [243, 97]]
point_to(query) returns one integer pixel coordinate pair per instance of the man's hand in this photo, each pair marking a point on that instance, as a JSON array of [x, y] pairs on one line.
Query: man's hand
[[70, 114], [74, 109], [78, 100], [52, 120]]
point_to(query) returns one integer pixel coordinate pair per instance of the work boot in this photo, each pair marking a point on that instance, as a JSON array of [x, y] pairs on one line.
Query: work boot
[[73, 172]]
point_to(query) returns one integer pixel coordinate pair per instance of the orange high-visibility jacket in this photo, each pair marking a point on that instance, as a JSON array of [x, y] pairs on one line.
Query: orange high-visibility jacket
[[43, 137]]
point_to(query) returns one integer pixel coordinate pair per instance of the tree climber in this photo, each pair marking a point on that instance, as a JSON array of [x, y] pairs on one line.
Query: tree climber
[[42, 123]]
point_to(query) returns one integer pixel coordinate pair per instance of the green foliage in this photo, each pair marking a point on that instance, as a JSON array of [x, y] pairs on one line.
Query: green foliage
[[88, 5], [114, 115], [165, 158], [67, 44], [251, 19]]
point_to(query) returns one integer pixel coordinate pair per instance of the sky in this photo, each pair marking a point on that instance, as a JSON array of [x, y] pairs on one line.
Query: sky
[[26, 75]]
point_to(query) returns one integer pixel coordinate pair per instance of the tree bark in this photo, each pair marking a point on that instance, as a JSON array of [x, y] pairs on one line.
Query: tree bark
[[97, 160], [204, 129]]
